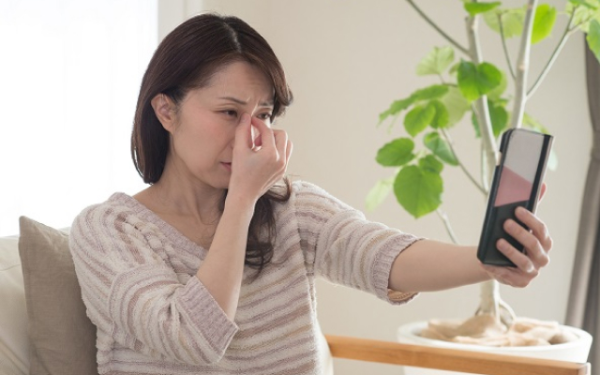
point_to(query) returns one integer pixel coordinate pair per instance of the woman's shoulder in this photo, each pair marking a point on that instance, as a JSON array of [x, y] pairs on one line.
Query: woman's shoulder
[[310, 195], [118, 208]]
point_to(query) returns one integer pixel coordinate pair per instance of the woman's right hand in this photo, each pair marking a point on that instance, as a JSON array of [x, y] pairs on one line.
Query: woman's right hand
[[257, 166]]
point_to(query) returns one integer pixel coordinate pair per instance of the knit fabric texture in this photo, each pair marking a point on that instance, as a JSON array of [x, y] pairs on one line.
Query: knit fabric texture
[[138, 281]]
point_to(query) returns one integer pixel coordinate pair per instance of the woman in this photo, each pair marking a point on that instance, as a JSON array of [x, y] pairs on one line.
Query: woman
[[211, 268]]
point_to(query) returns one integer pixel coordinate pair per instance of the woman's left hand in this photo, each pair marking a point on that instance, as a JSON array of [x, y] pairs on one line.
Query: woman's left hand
[[537, 243]]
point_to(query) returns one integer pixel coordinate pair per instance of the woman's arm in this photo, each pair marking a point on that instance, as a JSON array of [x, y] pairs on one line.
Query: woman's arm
[[253, 174], [430, 265]]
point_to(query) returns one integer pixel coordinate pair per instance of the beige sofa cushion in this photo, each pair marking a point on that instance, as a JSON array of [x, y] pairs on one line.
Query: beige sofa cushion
[[13, 314], [61, 336]]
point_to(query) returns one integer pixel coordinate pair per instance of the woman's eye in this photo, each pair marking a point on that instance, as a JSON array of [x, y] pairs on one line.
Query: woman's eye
[[265, 116], [230, 113]]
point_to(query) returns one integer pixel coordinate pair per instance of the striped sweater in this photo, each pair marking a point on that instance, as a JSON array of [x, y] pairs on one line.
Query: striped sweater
[[137, 276]]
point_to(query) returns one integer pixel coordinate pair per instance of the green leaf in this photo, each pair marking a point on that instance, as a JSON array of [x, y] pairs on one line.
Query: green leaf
[[489, 77], [440, 148], [582, 3], [430, 163], [436, 61], [453, 68], [379, 192], [475, 123], [496, 93], [396, 107], [418, 191], [396, 153], [582, 16], [476, 8], [512, 21], [441, 118], [427, 93], [467, 80], [430, 93], [419, 118], [456, 105], [543, 22], [593, 38], [476, 80], [499, 117]]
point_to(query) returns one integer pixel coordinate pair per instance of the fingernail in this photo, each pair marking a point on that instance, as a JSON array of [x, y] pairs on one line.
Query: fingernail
[[530, 268]]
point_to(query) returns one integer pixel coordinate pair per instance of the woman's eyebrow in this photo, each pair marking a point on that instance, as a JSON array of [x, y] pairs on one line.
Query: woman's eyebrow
[[241, 102]]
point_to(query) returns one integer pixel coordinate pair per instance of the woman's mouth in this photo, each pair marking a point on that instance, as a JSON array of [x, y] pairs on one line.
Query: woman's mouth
[[227, 166]]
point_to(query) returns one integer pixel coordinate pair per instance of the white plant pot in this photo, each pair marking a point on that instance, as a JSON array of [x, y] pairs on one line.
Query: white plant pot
[[575, 351]]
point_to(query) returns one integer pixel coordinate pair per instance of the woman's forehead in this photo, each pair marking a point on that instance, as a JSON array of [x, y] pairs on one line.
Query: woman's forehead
[[240, 80]]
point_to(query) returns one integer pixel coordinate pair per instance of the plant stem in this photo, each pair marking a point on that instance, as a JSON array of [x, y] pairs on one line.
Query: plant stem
[[462, 166], [446, 222], [437, 28], [485, 182], [505, 48], [563, 40], [481, 105], [523, 67], [490, 297]]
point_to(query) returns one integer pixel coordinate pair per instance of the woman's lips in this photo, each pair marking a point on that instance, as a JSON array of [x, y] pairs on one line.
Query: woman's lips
[[227, 166]]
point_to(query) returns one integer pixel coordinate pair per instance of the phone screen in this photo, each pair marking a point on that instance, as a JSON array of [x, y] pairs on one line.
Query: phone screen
[[519, 171]]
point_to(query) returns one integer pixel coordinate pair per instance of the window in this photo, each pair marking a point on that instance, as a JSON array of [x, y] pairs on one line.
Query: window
[[70, 72]]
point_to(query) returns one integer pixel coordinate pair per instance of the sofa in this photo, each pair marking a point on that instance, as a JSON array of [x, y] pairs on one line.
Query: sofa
[[43, 325], [44, 329]]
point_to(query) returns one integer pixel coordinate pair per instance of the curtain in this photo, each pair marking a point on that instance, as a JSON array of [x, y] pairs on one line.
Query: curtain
[[584, 298]]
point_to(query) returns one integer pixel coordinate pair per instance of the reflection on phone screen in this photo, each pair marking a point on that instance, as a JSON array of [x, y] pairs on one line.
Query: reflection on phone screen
[[520, 167]]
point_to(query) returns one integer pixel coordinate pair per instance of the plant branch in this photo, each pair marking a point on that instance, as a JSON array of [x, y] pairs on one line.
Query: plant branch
[[480, 107], [437, 28], [446, 222], [485, 182], [462, 166], [489, 289], [523, 66], [568, 31], [505, 48]]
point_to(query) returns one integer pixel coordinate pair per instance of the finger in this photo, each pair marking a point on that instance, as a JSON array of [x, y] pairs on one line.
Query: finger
[[542, 191], [289, 149], [266, 137], [281, 140], [538, 228], [534, 252], [255, 136], [522, 261], [243, 133], [508, 275], [258, 140]]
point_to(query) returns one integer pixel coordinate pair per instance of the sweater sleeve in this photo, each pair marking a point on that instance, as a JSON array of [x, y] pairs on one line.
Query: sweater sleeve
[[131, 291], [342, 246]]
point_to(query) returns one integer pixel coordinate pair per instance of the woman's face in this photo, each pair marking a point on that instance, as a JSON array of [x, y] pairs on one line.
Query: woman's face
[[203, 128]]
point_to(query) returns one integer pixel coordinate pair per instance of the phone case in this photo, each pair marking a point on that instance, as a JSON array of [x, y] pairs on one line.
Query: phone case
[[517, 182]]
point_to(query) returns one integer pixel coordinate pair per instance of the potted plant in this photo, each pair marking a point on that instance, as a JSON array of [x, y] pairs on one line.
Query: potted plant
[[472, 90]]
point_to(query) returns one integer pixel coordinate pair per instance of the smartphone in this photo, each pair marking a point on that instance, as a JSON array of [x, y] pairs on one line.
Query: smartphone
[[517, 182]]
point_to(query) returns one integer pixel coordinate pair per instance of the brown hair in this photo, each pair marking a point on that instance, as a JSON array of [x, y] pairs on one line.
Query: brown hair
[[186, 59]]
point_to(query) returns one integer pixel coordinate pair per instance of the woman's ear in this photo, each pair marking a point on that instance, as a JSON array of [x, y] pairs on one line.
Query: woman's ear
[[164, 109]]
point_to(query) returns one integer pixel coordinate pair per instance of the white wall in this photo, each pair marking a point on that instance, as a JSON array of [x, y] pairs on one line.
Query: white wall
[[346, 61]]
